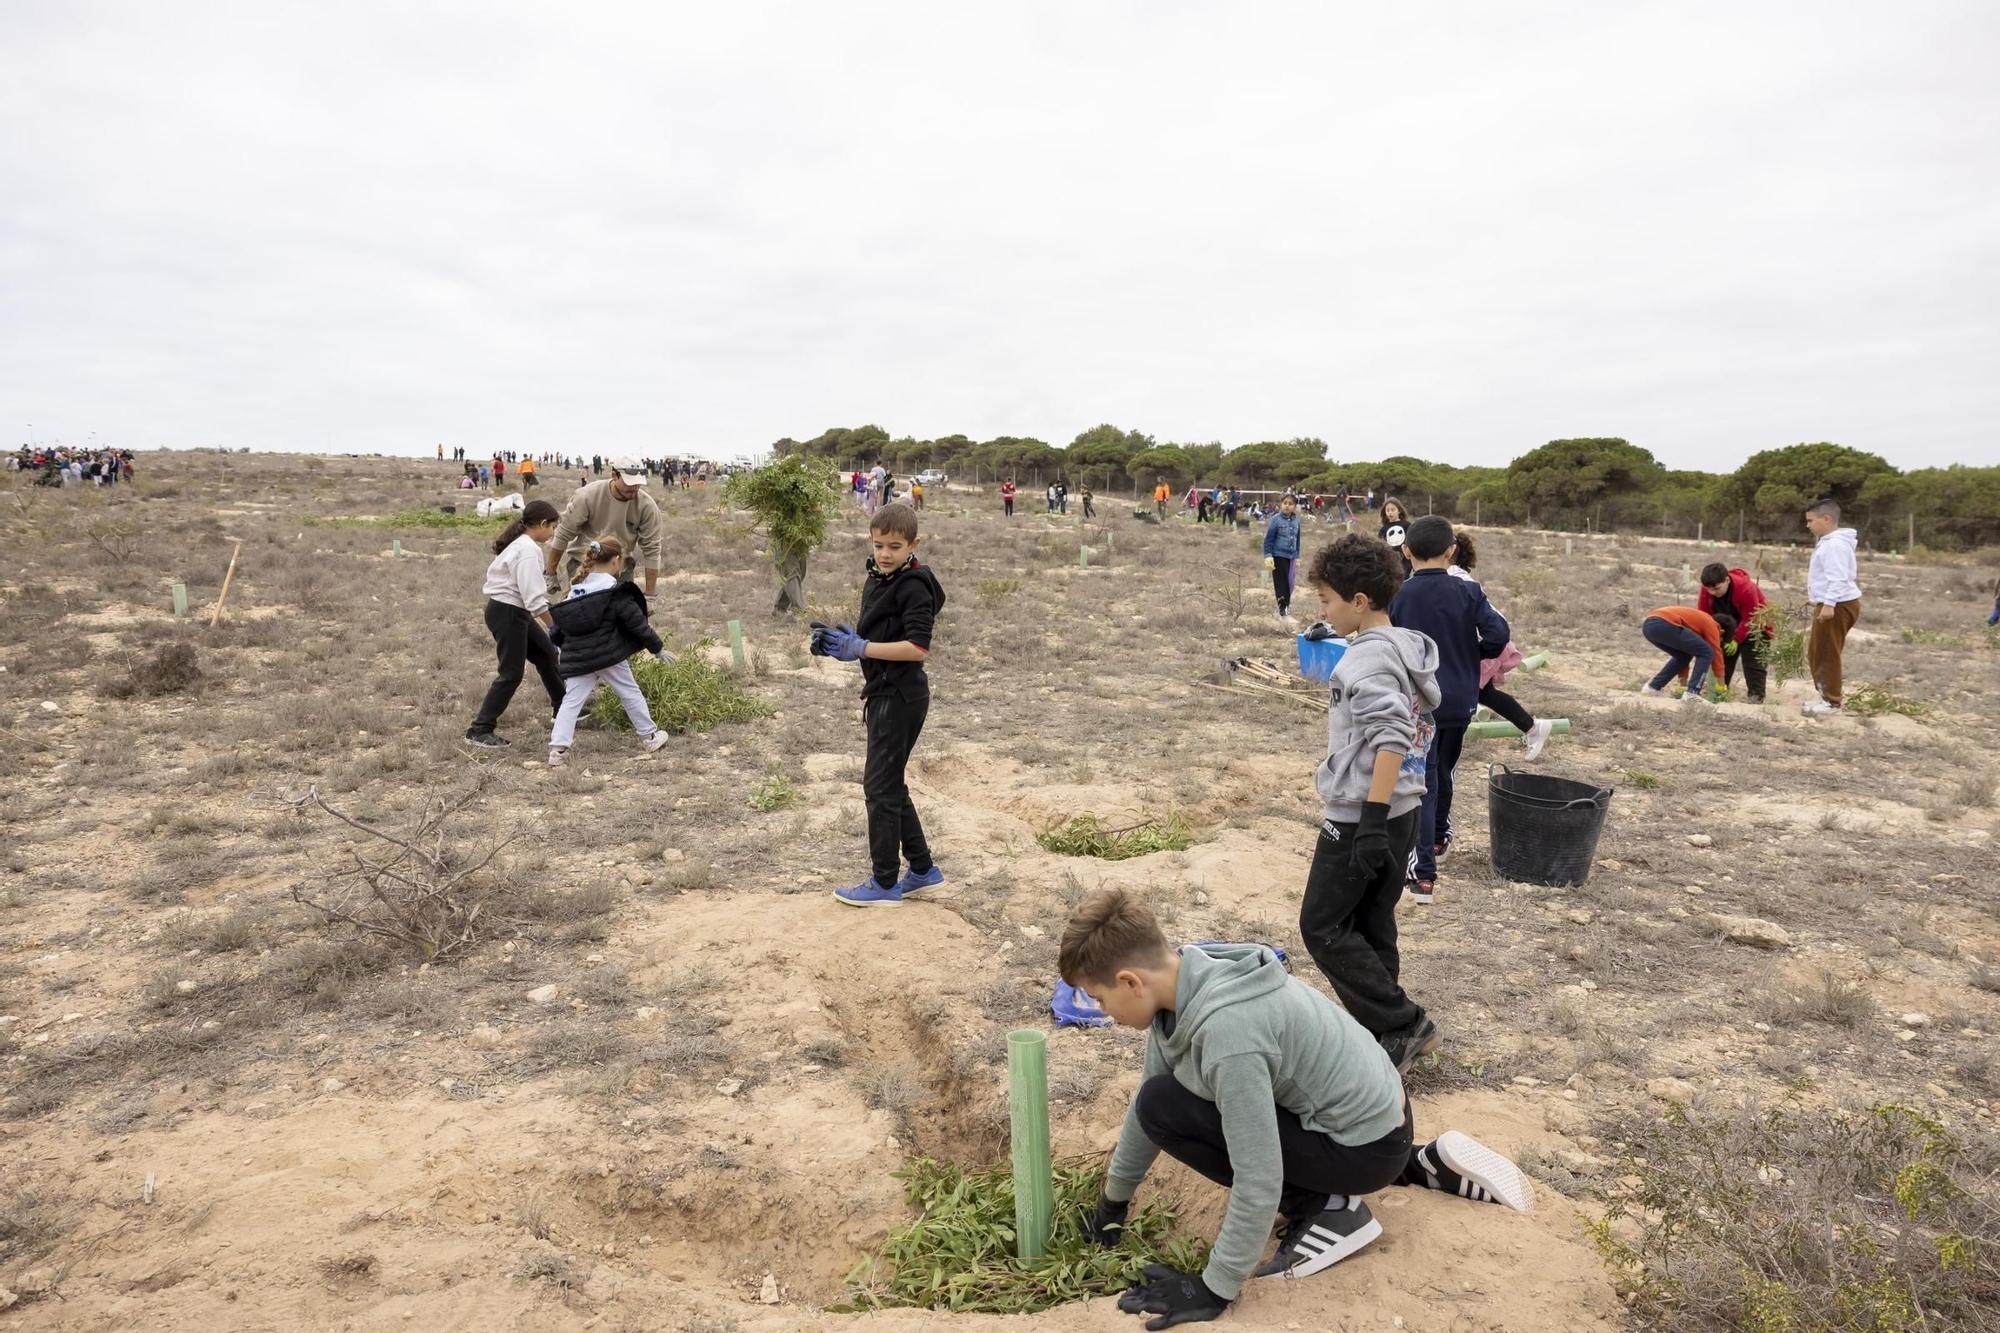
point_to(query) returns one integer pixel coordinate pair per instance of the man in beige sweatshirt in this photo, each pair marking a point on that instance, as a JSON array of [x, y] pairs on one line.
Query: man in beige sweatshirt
[[617, 507]]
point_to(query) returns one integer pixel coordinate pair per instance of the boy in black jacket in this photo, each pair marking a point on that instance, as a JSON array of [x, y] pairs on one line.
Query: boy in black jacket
[[1465, 627], [899, 604]]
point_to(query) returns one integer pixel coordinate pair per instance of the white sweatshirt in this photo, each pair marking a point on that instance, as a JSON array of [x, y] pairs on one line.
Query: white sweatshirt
[[517, 578], [1830, 579]]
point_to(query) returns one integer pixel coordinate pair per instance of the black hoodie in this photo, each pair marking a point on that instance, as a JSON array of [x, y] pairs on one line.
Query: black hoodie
[[895, 608], [601, 629]]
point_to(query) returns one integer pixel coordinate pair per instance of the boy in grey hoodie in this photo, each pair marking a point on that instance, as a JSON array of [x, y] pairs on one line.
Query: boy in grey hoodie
[[1371, 790], [1263, 1085]]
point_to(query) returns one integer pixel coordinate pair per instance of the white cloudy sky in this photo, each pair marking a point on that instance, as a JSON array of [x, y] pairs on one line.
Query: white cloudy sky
[[1449, 229]]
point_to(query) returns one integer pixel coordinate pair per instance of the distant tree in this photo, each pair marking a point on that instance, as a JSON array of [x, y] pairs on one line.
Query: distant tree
[[1571, 479], [1105, 448], [1166, 462], [846, 446], [1776, 485], [1203, 460]]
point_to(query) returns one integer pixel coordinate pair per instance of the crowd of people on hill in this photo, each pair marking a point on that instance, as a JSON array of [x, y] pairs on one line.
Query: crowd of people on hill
[[60, 465], [491, 473]]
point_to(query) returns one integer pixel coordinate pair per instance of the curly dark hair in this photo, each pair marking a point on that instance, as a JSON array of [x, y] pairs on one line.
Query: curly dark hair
[[1357, 564], [1464, 557]]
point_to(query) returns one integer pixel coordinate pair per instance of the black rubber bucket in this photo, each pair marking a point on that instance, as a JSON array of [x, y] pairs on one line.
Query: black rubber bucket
[[1543, 830]]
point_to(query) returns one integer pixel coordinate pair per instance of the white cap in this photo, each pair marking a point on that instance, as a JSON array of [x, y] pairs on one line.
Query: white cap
[[630, 471]]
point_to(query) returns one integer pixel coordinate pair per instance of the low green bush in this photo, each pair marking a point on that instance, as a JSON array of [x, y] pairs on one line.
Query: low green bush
[[958, 1254], [1086, 835], [684, 695]]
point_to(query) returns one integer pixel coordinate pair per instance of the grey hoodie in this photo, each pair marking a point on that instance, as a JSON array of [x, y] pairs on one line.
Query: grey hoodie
[[1251, 1038], [1382, 692]]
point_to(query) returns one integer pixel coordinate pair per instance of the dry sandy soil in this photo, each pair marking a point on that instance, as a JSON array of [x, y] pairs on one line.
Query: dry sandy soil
[[337, 1137]]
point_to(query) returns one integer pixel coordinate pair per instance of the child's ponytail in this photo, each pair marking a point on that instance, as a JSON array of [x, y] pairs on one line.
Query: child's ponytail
[[538, 511], [606, 548]]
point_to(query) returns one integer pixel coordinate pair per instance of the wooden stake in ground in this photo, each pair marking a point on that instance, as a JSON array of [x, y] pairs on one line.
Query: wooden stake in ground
[[223, 596]]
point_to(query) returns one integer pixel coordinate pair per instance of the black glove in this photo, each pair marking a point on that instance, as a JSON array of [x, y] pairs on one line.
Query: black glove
[[1372, 852], [1105, 1224], [1176, 1297], [818, 645]]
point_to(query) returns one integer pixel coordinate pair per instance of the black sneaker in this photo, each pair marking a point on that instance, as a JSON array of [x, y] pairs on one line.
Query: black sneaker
[[1306, 1245], [486, 740], [1405, 1048], [1442, 847], [1460, 1164]]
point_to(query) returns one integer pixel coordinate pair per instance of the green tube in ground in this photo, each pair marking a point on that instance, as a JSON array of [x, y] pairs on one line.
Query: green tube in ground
[[1535, 661], [1497, 730], [1028, 1108]]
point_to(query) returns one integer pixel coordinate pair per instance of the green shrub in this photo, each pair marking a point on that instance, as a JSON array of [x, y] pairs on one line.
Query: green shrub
[[684, 695], [462, 521], [774, 793], [959, 1252], [1086, 835], [1789, 1219], [1874, 700], [1783, 652], [1640, 778]]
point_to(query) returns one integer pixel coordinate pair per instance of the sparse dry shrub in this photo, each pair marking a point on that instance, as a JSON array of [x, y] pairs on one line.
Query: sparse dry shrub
[[1794, 1218], [174, 668], [418, 891]]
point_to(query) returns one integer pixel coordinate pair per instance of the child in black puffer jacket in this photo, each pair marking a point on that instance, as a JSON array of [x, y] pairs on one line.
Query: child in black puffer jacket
[[599, 626]]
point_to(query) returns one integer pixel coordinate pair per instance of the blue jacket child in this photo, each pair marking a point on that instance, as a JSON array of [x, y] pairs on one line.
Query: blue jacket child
[[1281, 536]]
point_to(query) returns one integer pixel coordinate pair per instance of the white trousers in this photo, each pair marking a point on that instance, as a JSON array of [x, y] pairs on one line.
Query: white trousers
[[576, 693]]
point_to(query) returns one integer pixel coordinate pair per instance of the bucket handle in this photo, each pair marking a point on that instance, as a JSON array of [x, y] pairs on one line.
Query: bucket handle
[[1601, 794]]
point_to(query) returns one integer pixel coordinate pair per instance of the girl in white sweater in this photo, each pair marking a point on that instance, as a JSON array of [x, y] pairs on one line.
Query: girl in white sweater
[[517, 609]]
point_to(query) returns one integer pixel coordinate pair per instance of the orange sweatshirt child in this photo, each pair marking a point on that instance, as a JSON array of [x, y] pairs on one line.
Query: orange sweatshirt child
[[1701, 622]]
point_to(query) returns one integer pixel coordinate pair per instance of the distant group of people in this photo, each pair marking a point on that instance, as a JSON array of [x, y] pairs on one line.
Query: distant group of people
[[491, 473], [58, 465]]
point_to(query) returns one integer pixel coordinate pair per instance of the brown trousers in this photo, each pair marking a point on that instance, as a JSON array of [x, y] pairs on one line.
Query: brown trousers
[[1823, 647]]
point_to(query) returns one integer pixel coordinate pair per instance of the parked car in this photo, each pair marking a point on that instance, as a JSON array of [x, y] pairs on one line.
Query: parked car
[[931, 477]]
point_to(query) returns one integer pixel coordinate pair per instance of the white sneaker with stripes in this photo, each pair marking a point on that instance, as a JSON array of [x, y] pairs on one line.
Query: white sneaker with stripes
[[1459, 1164], [1308, 1245]]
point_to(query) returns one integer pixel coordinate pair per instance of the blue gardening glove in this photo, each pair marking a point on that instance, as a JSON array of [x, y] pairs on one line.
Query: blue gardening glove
[[1105, 1224], [843, 643], [1372, 852], [1176, 1297]]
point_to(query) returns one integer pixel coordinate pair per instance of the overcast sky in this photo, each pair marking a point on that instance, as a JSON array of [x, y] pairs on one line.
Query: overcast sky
[[1450, 230]]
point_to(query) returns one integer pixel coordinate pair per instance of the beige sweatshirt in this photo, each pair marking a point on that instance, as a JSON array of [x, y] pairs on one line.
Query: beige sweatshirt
[[594, 513]]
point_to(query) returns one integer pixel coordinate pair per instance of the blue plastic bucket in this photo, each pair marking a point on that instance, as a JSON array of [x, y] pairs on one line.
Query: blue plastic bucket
[[1318, 657]]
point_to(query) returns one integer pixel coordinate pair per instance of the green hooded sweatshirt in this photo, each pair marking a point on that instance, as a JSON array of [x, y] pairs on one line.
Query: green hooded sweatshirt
[[1250, 1037]]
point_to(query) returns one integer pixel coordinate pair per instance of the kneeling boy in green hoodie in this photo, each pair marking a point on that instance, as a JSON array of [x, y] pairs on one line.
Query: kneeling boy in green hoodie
[[1261, 1084]]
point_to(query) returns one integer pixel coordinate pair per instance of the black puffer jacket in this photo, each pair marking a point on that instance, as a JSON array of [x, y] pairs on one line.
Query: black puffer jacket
[[601, 629]]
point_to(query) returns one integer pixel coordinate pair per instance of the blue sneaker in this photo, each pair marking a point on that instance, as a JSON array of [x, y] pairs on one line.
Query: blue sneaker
[[870, 893], [912, 882]]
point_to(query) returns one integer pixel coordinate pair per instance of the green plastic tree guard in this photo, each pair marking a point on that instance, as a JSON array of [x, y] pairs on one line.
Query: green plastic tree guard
[[736, 643], [1496, 730], [1535, 661], [1028, 1108], [180, 601]]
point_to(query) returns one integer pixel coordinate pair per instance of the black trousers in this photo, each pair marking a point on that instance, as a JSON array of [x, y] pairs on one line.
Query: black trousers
[[518, 639], [1348, 924], [1281, 582], [1008, 505], [894, 831], [1189, 1129], [1504, 705], [1089, 509], [1753, 668]]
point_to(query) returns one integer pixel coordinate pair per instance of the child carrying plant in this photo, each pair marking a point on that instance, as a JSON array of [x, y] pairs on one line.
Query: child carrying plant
[[1263, 1085], [1493, 670], [1371, 791], [517, 608], [600, 625], [1281, 553], [900, 600]]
